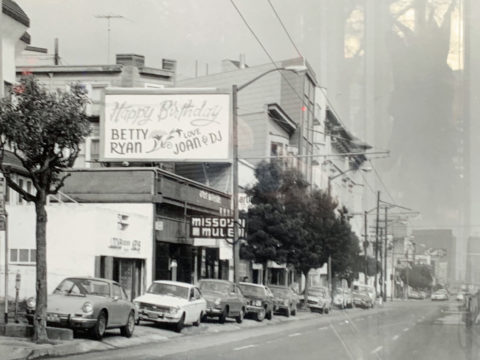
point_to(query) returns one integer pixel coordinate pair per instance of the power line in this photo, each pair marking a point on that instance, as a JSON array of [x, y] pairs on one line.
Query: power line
[[285, 29], [381, 181]]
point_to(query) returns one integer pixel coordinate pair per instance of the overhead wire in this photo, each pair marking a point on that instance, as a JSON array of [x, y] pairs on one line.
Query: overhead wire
[[284, 28]]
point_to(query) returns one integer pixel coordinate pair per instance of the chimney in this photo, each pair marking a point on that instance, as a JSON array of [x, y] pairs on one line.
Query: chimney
[[241, 63], [169, 65], [130, 60]]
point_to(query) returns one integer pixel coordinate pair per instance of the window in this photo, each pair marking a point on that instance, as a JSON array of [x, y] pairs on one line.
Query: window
[[29, 186], [117, 291], [276, 149], [13, 255], [94, 149], [20, 183], [24, 256], [7, 88], [7, 194], [196, 294]]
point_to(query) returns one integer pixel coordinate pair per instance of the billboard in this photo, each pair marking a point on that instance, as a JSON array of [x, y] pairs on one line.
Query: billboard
[[166, 125]]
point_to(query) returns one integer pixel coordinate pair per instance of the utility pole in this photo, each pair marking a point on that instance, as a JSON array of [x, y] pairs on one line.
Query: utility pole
[[108, 18], [382, 274], [376, 239], [385, 256], [365, 246]]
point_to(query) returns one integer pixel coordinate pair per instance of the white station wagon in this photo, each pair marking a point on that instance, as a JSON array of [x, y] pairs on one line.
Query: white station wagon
[[171, 302]]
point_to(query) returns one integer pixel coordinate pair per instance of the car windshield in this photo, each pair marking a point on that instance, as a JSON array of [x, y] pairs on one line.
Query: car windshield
[[82, 287], [317, 292], [214, 286], [279, 291], [252, 290], [169, 290]]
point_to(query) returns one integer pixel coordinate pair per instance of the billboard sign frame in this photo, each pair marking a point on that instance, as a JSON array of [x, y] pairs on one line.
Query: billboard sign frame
[[179, 124]]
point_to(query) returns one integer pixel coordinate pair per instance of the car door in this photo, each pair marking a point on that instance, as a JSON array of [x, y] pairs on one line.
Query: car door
[[117, 309], [232, 300], [199, 304]]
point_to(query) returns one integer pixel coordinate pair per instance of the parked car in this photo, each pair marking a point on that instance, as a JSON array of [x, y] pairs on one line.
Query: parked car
[[87, 303], [319, 299], [259, 300], [172, 302], [368, 288], [441, 294], [224, 299], [285, 300], [418, 295], [362, 298], [342, 298]]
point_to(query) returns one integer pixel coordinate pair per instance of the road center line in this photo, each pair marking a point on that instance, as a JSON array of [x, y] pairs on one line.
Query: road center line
[[406, 329], [377, 349], [296, 334], [395, 337], [323, 328], [244, 347]]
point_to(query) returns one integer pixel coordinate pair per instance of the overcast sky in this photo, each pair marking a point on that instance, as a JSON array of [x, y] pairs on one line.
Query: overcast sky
[[185, 30]]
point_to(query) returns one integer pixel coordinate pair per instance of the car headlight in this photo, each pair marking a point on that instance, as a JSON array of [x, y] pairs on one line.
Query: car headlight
[[174, 309], [87, 307], [31, 303], [218, 301], [258, 303], [137, 305]]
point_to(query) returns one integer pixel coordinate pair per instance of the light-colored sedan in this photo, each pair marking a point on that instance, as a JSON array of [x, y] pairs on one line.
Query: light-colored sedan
[[319, 299], [85, 303], [441, 294], [172, 302]]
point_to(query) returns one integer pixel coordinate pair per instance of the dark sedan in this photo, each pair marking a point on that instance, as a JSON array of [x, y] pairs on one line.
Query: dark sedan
[[285, 300], [259, 300], [224, 299]]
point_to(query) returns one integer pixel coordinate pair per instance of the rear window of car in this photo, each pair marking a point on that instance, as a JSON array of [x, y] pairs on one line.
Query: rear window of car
[[214, 286], [83, 287], [169, 290], [252, 290]]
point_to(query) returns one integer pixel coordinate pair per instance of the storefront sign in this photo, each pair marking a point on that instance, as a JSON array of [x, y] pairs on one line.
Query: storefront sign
[[164, 125], [215, 227], [127, 245]]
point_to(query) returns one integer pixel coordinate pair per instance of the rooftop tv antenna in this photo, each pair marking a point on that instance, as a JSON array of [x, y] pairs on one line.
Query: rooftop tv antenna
[[108, 17]]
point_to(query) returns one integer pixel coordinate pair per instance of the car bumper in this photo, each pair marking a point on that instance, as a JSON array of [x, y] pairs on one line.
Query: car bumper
[[317, 306], [68, 320], [159, 317], [213, 312], [254, 309]]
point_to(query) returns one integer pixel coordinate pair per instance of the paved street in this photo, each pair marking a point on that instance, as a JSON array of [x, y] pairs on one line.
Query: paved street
[[402, 330]]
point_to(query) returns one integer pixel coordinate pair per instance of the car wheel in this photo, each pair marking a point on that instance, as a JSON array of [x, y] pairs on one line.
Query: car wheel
[[326, 310], [294, 311], [269, 315], [127, 330], [179, 326], [197, 323], [101, 325], [223, 316], [240, 316], [288, 312], [261, 315]]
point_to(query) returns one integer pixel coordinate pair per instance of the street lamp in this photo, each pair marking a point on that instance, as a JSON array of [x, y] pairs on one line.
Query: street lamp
[[235, 90]]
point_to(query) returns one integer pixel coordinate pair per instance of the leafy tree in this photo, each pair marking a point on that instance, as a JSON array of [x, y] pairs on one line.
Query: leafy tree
[[268, 222], [419, 276], [44, 131]]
